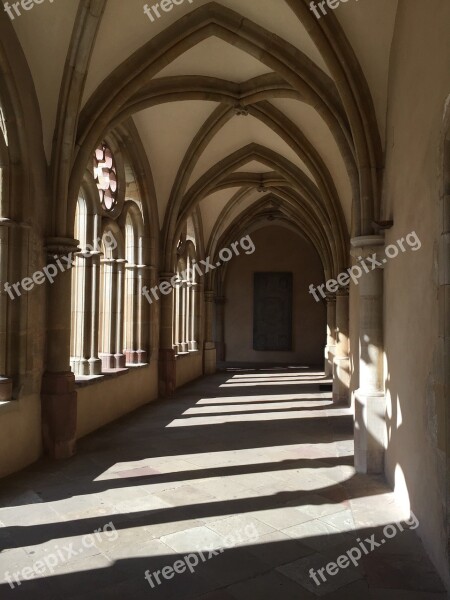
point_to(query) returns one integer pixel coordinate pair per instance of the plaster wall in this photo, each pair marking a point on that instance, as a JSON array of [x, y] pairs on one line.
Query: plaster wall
[[106, 401], [20, 434], [189, 367], [419, 87], [277, 249]]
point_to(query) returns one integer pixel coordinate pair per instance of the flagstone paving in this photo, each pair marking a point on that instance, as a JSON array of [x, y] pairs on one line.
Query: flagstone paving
[[248, 473]]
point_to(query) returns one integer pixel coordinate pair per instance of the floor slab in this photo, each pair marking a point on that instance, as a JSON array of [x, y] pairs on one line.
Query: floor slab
[[237, 487]]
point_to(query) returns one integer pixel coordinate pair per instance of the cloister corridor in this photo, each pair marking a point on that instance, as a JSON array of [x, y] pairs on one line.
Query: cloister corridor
[[262, 456]]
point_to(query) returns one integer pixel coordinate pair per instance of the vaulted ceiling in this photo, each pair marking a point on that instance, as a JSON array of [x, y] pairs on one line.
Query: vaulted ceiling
[[237, 105]]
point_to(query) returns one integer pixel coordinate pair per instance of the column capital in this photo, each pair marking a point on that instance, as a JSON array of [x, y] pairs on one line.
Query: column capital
[[209, 296], [366, 245], [61, 246], [343, 291], [330, 297], [5, 222]]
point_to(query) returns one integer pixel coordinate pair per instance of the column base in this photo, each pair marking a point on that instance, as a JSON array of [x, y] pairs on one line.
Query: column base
[[59, 414], [167, 373], [209, 359], [112, 361], [370, 431], [108, 361], [95, 366], [329, 358], [6, 388], [142, 357], [80, 366], [135, 357], [341, 380], [220, 351], [120, 361]]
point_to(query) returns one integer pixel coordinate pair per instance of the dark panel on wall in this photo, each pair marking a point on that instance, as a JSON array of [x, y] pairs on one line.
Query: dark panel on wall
[[272, 312]]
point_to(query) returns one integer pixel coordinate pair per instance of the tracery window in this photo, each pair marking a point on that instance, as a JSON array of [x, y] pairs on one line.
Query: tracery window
[[108, 316], [185, 311]]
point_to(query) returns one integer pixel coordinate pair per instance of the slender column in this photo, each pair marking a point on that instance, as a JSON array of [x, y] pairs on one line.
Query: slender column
[[176, 319], [108, 319], [370, 403], [94, 317], [144, 278], [136, 322], [80, 306], [331, 334], [167, 363], [58, 395], [119, 356], [184, 316], [84, 360], [4, 306], [209, 355], [193, 342], [14, 244], [131, 314], [220, 328], [341, 373]]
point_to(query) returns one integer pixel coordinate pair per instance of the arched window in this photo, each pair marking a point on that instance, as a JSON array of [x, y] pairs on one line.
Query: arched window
[[112, 287], [108, 315], [179, 331], [185, 306], [5, 300], [135, 342], [193, 301]]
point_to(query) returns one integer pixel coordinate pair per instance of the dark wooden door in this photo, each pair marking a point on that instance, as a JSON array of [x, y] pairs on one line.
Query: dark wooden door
[[272, 312]]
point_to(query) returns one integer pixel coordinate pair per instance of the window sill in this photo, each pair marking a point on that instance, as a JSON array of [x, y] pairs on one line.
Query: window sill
[[86, 380], [184, 354], [9, 406]]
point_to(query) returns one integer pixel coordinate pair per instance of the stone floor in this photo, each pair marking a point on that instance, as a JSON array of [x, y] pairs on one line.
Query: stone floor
[[244, 478]]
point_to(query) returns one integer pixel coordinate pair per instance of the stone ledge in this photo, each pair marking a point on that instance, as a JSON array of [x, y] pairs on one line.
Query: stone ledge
[[86, 380], [184, 354], [9, 406]]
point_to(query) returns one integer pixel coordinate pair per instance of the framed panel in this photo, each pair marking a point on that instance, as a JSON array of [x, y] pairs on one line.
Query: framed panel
[[272, 312]]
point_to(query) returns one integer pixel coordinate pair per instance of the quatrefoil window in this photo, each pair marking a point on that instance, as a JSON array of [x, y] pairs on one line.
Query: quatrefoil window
[[105, 176]]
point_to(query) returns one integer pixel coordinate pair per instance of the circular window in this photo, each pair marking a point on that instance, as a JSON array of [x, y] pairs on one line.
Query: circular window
[[105, 176]]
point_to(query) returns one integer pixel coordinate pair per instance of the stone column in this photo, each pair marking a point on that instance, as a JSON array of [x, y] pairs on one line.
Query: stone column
[[108, 321], [184, 320], [341, 372], [331, 334], [167, 363], [144, 278], [84, 359], [94, 318], [58, 394], [79, 352], [5, 388], [119, 356], [220, 328], [370, 403], [193, 342], [209, 354], [131, 314]]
